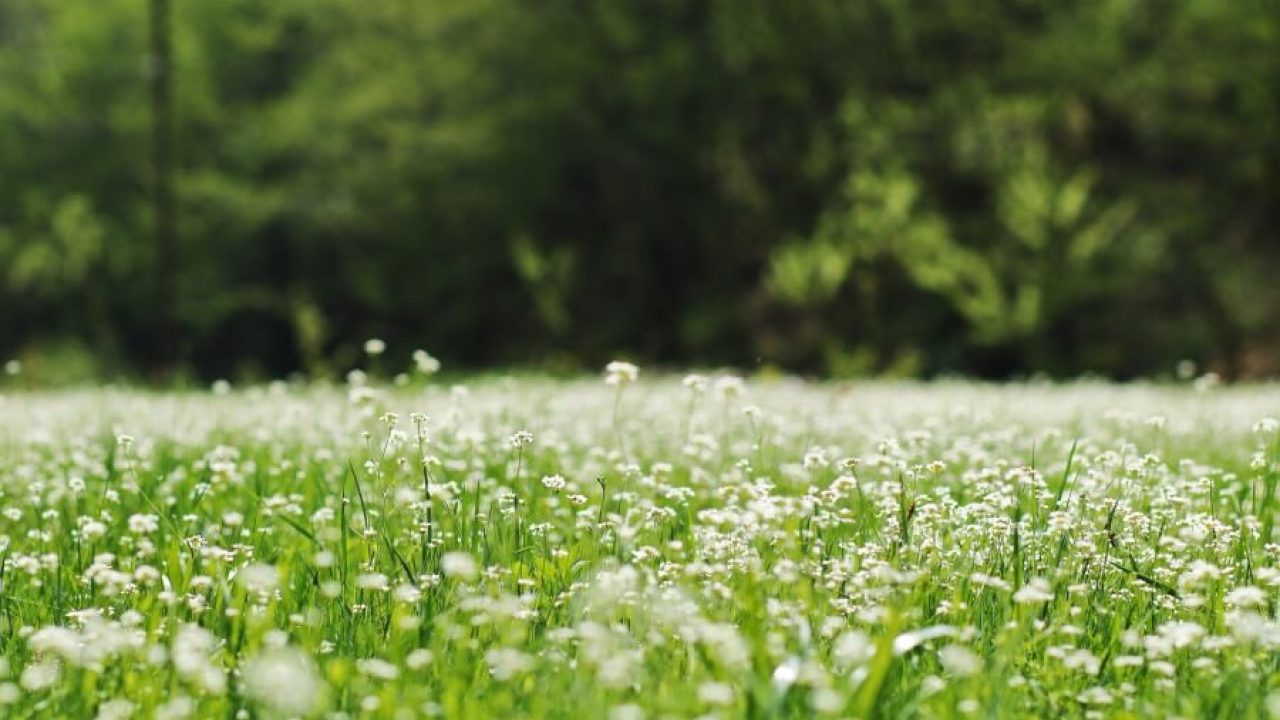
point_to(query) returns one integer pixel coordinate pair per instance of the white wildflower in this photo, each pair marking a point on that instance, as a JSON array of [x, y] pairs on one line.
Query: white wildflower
[[259, 578], [1037, 590], [959, 660], [715, 693], [285, 680], [1246, 596], [506, 663], [425, 362], [908, 641], [377, 668], [620, 373], [458, 565]]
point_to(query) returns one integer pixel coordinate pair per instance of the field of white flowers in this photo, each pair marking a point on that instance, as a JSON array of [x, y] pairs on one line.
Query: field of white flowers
[[631, 548]]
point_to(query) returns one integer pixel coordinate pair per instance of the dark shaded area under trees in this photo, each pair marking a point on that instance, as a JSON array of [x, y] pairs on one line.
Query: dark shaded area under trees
[[989, 187]]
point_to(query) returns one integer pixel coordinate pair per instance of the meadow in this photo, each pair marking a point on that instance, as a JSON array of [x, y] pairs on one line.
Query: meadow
[[635, 548]]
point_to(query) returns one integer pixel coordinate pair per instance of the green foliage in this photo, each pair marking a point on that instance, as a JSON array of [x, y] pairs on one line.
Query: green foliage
[[990, 187]]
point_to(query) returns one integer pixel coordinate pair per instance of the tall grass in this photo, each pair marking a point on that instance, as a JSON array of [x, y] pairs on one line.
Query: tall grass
[[640, 549]]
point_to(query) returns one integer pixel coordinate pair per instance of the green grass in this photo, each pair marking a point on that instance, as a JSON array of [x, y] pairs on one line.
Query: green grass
[[790, 550]]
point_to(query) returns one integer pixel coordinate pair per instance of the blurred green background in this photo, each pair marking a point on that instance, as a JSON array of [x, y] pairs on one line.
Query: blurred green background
[[249, 188]]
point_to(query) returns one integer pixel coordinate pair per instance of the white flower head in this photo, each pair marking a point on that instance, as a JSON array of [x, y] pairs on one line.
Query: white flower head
[[259, 578], [142, 524], [507, 663], [285, 680], [39, 675], [908, 641], [1267, 426], [853, 647], [459, 565], [419, 658], [695, 383], [425, 362], [377, 668], [1246, 596], [715, 693], [620, 373], [116, 709], [192, 648], [730, 386], [372, 581], [959, 660], [626, 712], [1037, 590]]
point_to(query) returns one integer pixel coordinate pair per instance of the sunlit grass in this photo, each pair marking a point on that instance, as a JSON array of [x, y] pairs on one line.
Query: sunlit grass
[[630, 548]]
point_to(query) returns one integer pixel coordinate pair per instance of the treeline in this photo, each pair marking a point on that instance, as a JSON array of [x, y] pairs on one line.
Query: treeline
[[979, 186]]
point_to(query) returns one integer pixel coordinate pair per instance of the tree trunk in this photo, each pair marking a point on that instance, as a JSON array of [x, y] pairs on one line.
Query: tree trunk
[[165, 235]]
